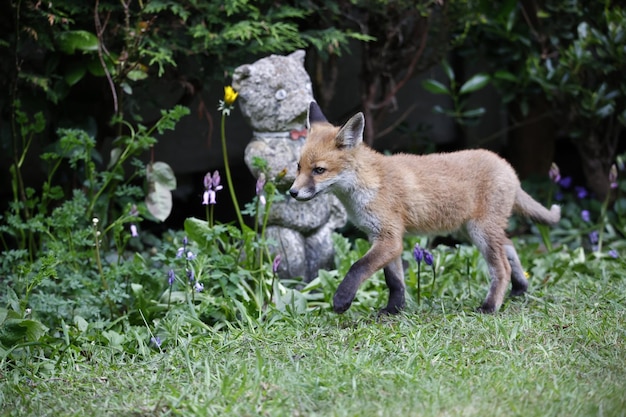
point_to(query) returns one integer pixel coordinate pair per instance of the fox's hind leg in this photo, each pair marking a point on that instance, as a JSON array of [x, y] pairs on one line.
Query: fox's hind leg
[[518, 277], [394, 277], [490, 242]]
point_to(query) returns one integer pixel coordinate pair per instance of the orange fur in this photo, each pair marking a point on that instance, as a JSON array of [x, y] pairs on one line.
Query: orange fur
[[386, 196]]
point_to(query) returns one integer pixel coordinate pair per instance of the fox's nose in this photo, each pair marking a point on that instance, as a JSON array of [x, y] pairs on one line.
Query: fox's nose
[[293, 193]]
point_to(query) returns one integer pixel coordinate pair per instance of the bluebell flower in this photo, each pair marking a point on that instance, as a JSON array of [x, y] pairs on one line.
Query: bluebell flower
[[613, 177], [428, 258], [554, 173], [190, 275], [565, 182], [421, 254], [199, 286], [613, 254], [593, 237], [260, 188], [156, 341], [180, 252], [170, 277], [133, 230], [276, 264], [190, 256], [581, 192], [418, 253], [211, 186], [585, 216]]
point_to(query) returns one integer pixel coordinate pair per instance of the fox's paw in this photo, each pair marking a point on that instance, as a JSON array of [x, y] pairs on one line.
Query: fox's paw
[[387, 311], [487, 308], [341, 303]]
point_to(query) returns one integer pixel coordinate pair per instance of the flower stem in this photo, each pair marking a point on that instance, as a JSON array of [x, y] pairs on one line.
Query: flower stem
[[419, 284], [229, 179]]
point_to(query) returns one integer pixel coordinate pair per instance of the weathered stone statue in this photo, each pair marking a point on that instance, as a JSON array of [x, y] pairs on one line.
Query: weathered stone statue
[[274, 95]]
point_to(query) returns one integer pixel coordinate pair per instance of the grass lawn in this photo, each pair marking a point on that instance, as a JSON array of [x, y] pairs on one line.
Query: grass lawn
[[560, 351]]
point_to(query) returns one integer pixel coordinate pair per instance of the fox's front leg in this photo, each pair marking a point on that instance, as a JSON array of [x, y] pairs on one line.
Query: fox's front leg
[[381, 253]]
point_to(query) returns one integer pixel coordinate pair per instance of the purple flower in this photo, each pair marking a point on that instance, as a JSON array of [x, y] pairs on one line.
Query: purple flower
[[558, 196], [428, 258], [133, 230], [554, 173], [593, 237], [208, 181], [206, 197], [180, 252], [199, 286], [585, 216], [260, 188], [170, 277], [260, 184], [190, 256], [613, 177], [185, 241], [211, 185], [613, 254], [133, 211], [156, 341], [276, 264], [565, 182], [418, 253], [190, 275], [216, 181], [422, 255], [581, 192]]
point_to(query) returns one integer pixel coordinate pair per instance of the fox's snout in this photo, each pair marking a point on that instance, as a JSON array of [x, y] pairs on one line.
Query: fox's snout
[[300, 195]]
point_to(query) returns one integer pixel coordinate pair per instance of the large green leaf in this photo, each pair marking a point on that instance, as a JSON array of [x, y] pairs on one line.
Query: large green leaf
[[159, 201], [72, 40], [162, 173]]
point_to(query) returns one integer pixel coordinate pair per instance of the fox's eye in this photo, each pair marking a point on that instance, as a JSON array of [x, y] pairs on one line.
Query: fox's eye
[[319, 170]]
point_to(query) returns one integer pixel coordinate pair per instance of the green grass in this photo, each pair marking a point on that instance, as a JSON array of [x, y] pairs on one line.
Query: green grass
[[559, 351]]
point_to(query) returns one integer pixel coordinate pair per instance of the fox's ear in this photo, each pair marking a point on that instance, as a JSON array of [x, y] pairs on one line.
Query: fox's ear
[[351, 134], [315, 115]]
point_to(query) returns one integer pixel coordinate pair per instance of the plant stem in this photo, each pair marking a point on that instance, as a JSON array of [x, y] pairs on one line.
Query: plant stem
[[229, 179], [419, 284]]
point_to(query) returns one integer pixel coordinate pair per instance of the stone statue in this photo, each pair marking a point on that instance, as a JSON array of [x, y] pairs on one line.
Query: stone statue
[[274, 96]]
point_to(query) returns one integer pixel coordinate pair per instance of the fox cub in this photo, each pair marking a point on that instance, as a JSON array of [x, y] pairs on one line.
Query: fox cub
[[474, 191]]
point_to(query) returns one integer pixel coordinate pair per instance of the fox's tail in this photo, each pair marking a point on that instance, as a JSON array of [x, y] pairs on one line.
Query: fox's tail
[[527, 206]]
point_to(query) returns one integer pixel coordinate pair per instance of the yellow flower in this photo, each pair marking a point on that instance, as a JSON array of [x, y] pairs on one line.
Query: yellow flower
[[230, 95]]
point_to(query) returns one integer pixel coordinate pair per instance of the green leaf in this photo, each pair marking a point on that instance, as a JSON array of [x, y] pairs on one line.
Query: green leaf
[[136, 75], [448, 70], [162, 173], [115, 339], [475, 83], [505, 75], [3, 315], [80, 323], [115, 156], [435, 87], [73, 40], [473, 112], [75, 73], [196, 229], [159, 201]]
